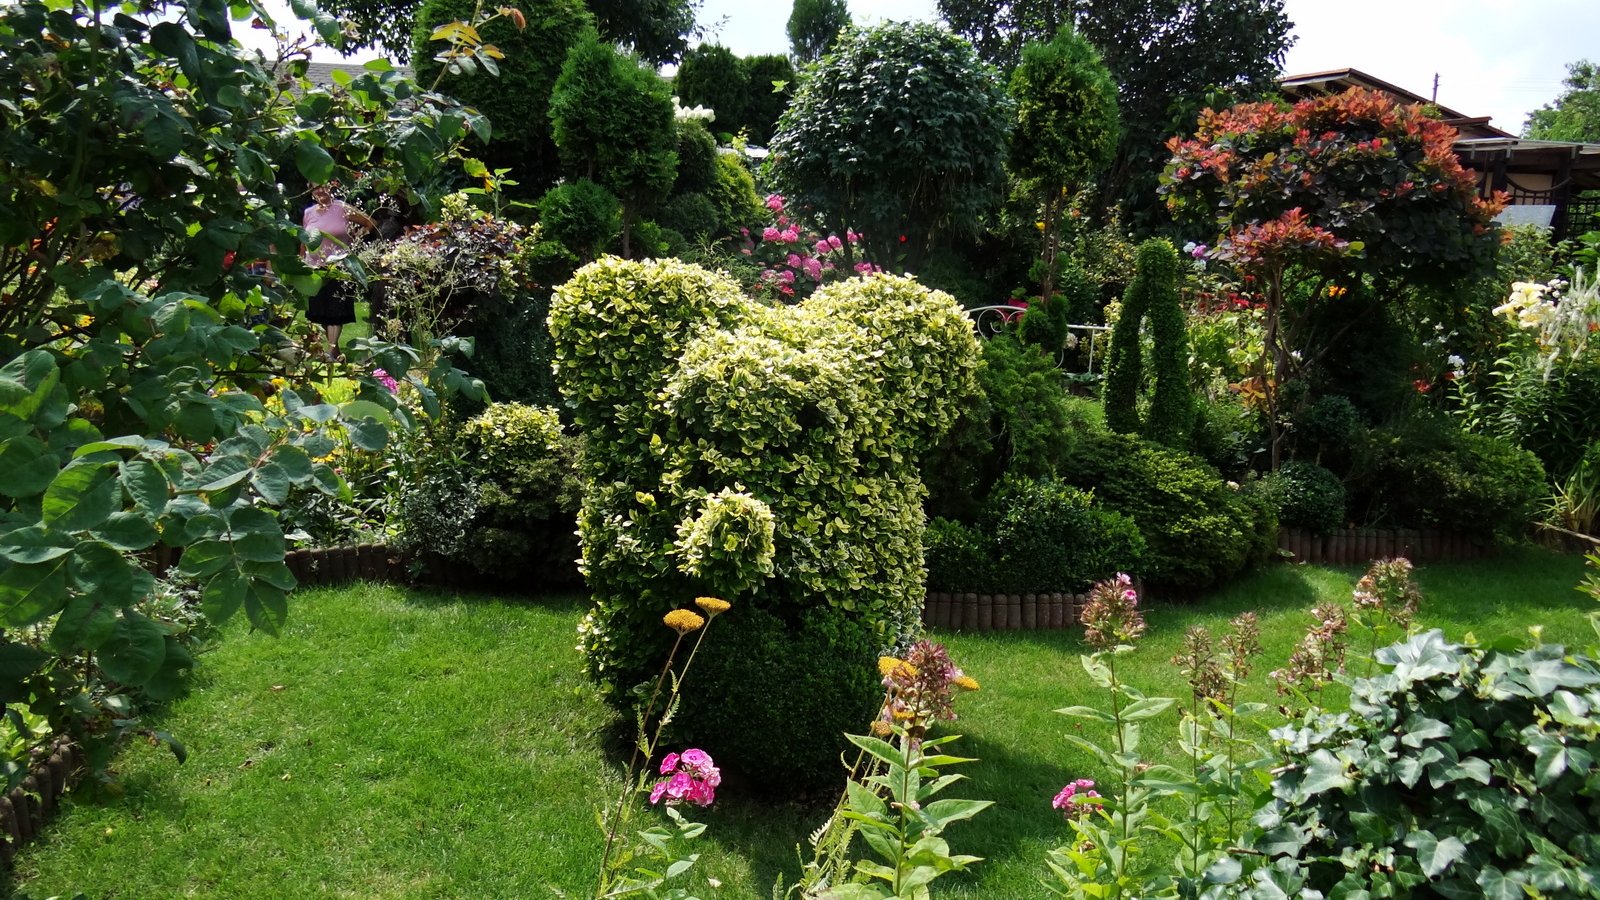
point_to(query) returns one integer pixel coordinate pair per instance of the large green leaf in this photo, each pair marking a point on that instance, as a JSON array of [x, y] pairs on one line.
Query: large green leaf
[[134, 652], [82, 496], [98, 569], [35, 544], [127, 531], [266, 607], [313, 161], [18, 661], [26, 466], [85, 624], [1435, 855], [223, 596], [146, 483], [32, 593]]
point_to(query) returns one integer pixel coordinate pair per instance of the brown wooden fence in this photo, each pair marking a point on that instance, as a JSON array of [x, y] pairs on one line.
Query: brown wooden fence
[[1360, 546]]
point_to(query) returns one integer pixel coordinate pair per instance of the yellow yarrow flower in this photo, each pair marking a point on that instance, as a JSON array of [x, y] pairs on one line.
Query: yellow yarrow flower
[[889, 665], [966, 683], [683, 621], [712, 606]]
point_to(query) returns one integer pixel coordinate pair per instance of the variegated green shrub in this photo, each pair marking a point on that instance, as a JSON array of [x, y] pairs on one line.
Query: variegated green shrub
[[764, 454]]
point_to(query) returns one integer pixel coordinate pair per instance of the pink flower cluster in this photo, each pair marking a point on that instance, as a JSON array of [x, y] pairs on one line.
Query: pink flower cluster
[[692, 777], [1077, 798], [387, 380], [797, 261]]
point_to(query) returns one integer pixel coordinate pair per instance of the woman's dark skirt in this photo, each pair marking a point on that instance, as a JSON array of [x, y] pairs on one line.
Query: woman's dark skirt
[[334, 304]]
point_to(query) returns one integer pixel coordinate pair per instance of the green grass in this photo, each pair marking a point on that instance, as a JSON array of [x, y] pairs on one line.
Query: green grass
[[397, 743]]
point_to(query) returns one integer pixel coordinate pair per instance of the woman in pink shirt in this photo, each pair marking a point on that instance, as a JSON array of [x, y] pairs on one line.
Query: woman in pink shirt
[[329, 220]]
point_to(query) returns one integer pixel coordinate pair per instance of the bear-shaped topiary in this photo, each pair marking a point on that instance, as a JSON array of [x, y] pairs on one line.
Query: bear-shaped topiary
[[767, 455]]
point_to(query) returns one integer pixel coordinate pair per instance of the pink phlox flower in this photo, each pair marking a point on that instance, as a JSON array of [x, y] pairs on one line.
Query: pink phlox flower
[[770, 234], [745, 251], [694, 779], [668, 763], [813, 268], [822, 246], [789, 235], [786, 276], [1122, 578], [834, 242], [794, 260], [657, 791], [385, 379], [863, 268], [775, 202], [745, 232], [768, 274], [852, 235]]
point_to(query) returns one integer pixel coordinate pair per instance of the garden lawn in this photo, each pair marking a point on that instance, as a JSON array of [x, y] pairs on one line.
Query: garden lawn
[[401, 743]]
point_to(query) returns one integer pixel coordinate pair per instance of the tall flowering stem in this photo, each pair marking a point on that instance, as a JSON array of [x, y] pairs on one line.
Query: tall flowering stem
[[699, 776]]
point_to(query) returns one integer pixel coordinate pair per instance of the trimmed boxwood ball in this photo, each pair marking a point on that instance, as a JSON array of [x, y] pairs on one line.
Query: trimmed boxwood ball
[[1308, 496], [711, 417], [581, 216]]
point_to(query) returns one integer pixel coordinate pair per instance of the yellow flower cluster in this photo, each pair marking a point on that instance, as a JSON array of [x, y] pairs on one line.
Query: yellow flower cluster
[[712, 606], [683, 621], [965, 682], [889, 665], [1526, 305]]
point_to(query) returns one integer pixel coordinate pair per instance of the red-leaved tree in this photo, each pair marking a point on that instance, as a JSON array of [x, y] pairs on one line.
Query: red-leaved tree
[[1312, 198]]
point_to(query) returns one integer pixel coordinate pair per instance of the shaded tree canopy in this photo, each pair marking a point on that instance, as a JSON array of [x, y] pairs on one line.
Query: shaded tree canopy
[[657, 30], [814, 25], [1575, 115], [766, 100], [1170, 58], [711, 76]]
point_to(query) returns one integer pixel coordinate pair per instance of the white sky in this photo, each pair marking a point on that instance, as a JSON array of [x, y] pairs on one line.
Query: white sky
[[1500, 58]]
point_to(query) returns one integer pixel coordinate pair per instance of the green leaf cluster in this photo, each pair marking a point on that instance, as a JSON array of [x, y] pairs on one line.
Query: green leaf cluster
[[1460, 771], [899, 131], [686, 389]]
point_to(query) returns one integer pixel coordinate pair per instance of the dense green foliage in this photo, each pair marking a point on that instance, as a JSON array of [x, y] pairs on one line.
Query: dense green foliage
[[1307, 496], [1170, 59], [814, 27], [798, 684], [517, 100], [581, 216], [733, 193], [1459, 771], [763, 454], [132, 384], [898, 133], [1034, 535], [1153, 295], [1066, 130], [697, 159], [1575, 115], [1424, 474], [711, 76], [1551, 414], [772, 80], [657, 31], [612, 121], [1198, 530]]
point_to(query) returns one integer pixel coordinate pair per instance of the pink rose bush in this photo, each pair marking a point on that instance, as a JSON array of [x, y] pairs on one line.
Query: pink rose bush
[[692, 777], [796, 262]]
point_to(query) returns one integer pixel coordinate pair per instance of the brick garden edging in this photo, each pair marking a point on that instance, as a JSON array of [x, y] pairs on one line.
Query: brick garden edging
[[1359, 546], [24, 811], [1001, 612], [337, 565]]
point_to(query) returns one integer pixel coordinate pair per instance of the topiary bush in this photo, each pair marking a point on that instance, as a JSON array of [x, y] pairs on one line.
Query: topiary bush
[[733, 193], [702, 408], [1153, 295], [581, 216], [1307, 496], [1462, 771], [1198, 529], [1427, 473], [692, 215], [697, 158]]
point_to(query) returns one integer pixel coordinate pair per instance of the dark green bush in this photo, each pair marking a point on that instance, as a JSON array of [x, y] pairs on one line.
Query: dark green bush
[[1460, 772], [1328, 430], [1044, 325], [581, 216], [1153, 295], [798, 685], [733, 193], [1427, 473], [959, 557], [697, 158], [1229, 436], [1307, 496], [1198, 530], [512, 350], [765, 103], [1554, 414], [711, 76], [1049, 536], [692, 215]]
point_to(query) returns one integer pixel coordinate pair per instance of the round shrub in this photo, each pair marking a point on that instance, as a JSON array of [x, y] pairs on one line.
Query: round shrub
[[692, 215], [1049, 536], [1198, 529], [581, 216], [525, 470], [776, 693], [1308, 496], [1328, 429], [1460, 772], [959, 557], [1429, 474]]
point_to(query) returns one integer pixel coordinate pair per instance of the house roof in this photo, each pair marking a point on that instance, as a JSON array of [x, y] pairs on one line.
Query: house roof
[[321, 73], [1336, 81]]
